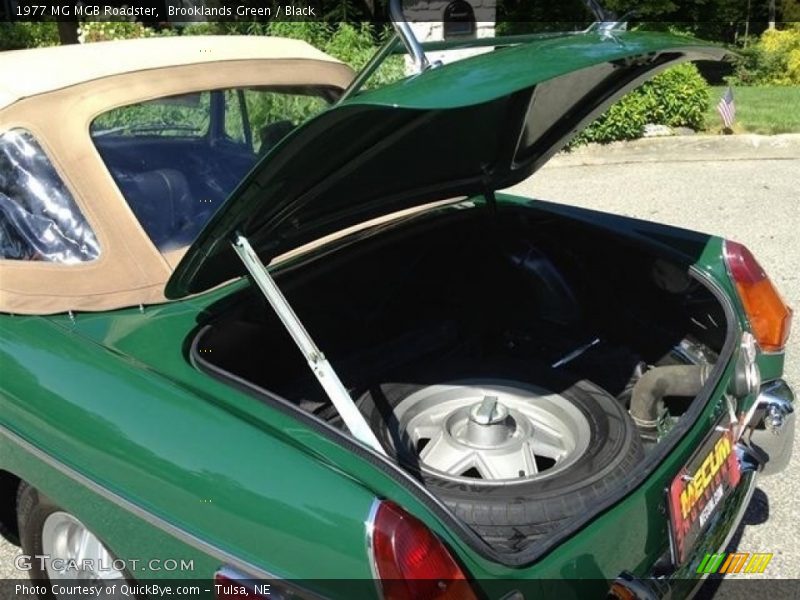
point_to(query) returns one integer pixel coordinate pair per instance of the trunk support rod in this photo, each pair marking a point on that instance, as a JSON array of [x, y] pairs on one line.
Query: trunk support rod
[[320, 366], [410, 41]]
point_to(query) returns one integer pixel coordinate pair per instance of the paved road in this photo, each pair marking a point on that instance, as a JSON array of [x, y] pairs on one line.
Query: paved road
[[755, 202]]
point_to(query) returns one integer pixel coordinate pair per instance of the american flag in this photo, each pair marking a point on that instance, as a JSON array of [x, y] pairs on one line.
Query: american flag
[[727, 109]]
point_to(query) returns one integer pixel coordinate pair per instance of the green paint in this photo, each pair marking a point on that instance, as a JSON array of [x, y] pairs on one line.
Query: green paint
[[485, 106]]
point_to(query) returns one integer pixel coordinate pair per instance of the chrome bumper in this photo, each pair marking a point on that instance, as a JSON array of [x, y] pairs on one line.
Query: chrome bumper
[[764, 448], [766, 442]]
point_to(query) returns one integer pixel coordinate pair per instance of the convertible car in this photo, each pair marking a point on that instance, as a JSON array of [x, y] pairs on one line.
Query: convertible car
[[264, 325]]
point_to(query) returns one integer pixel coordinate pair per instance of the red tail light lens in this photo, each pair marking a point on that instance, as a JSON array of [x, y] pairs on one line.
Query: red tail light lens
[[770, 317], [411, 562], [230, 585]]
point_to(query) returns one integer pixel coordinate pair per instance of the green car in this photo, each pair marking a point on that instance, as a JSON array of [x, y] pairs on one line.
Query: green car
[[248, 357]]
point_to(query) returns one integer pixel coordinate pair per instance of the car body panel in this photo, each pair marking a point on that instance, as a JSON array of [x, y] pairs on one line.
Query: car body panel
[[514, 109], [480, 78], [174, 451], [143, 434], [104, 412]]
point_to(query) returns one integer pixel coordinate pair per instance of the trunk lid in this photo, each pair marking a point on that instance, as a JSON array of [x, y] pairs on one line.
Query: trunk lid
[[467, 128]]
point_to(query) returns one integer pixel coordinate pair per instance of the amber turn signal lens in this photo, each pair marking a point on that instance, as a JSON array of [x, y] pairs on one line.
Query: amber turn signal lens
[[619, 592], [770, 317]]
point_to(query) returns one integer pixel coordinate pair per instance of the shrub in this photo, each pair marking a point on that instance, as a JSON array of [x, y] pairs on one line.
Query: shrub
[[16, 36], [625, 120], [678, 97], [316, 33], [106, 31], [793, 66], [352, 44], [773, 60]]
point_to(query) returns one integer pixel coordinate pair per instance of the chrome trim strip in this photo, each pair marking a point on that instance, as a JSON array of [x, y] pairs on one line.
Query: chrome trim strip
[[369, 526], [282, 589], [742, 509], [184, 536]]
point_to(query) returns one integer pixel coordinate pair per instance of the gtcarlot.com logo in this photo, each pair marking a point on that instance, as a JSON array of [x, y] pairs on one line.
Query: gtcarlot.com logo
[[25, 562]]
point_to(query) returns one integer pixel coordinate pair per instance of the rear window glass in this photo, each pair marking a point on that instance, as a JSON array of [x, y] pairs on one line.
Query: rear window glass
[[177, 159], [186, 115], [39, 219]]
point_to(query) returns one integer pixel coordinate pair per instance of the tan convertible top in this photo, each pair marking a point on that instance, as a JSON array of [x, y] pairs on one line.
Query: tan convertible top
[[41, 70], [55, 94]]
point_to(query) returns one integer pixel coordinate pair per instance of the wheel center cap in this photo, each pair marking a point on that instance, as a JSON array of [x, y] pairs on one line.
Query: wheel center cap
[[489, 423], [488, 412]]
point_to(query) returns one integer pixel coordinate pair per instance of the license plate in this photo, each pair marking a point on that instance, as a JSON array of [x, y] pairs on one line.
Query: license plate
[[700, 489]]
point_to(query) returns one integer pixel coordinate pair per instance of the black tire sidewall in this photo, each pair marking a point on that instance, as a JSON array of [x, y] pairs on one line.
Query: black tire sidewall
[[33, 508], [614, 449]]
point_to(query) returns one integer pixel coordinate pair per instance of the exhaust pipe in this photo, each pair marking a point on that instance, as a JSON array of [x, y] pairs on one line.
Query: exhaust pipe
[[647, 398]]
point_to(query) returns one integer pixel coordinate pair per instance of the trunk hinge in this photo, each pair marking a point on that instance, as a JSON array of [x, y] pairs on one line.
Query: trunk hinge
[[322, 369]]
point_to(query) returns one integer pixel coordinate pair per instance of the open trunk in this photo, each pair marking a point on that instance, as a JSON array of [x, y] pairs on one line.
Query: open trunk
[[534, 295]]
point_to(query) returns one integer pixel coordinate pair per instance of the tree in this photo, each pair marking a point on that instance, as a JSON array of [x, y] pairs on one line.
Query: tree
[[68, 32], [790, 11]]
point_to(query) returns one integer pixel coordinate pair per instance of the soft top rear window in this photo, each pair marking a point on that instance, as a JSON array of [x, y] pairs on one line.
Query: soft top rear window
[[176, 159], [39, 219]]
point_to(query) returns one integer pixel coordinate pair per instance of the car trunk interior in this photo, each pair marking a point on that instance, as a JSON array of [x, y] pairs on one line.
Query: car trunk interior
[[530, 286]]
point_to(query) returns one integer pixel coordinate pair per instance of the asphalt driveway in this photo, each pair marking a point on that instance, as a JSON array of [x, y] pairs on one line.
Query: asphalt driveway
[[714, 190]]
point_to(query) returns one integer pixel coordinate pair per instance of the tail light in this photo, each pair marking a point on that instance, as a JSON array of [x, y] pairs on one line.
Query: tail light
[[410, 561], [770, 317]]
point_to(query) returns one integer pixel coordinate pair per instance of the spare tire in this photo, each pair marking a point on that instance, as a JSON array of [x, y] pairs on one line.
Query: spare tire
[[513, 449]]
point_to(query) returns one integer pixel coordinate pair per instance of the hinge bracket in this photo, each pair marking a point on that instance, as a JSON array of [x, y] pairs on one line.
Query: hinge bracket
[[319, 365]]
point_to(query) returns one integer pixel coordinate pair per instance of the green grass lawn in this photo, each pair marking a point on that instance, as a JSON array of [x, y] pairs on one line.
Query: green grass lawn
[[766, 110]]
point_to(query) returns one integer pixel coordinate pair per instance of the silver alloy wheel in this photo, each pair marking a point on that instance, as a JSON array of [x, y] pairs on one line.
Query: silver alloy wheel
[[492, 432], [78, 553]]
